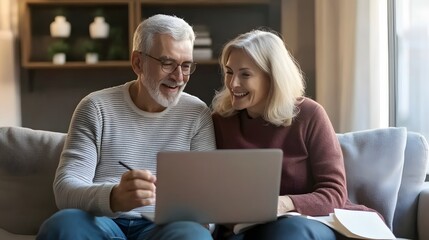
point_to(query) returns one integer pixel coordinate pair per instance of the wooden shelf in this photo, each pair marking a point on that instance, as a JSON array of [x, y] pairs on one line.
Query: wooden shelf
[[38, 14], [204, 2], [101, 64], [240, 16], [224, 19]]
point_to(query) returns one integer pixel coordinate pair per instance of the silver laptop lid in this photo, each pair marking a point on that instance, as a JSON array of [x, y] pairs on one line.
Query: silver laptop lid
[[221, 186]]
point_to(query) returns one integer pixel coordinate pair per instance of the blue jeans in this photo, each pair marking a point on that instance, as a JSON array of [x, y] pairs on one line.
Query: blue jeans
[[287, 228], [79, 225]]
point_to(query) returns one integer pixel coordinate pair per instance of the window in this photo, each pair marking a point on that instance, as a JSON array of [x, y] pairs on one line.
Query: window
[[409, 25]]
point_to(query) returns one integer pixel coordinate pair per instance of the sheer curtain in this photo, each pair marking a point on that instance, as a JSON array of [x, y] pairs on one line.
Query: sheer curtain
[[412, 55], [351, 63], [10, 110]]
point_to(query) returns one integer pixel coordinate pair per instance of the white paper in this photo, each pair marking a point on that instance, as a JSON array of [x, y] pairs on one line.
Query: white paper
[[364, 224], [350, 223]]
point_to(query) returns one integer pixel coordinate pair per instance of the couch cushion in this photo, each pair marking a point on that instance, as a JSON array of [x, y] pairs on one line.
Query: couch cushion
[[28, 160], [413, 177], [374, 161]]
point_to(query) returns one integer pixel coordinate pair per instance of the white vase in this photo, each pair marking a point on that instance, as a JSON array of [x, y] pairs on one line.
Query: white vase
[[99, 28], [91, 58], [59, 58], [60, 27]]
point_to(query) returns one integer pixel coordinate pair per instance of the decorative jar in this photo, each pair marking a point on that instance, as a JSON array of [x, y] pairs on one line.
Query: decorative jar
[[99, 28], [60, 27]]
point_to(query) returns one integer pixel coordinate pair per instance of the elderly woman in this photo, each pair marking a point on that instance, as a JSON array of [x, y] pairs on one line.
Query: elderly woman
[[262, 105]]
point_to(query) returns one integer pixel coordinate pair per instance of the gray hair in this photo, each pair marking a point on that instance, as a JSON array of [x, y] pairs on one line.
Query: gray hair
[[176, 27], [269, 52]]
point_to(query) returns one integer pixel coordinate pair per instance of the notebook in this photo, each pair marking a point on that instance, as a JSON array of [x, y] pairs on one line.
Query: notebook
[[220, 186]]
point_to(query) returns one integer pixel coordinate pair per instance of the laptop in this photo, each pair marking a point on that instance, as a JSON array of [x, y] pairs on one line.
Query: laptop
[[220, 186]]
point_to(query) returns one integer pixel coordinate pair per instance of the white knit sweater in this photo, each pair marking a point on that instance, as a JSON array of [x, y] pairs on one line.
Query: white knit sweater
[[106, 128]]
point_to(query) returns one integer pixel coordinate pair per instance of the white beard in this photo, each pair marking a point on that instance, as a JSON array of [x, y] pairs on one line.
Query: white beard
[[153, 87]]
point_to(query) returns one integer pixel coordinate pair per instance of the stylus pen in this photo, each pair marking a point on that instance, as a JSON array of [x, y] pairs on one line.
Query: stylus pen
[[125, 165]]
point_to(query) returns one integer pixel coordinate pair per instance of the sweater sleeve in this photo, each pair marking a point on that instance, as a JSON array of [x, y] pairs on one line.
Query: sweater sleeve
[[326, 168], [73, 184]]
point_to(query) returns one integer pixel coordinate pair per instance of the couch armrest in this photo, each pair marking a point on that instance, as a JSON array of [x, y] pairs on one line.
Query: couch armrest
[[423, 213]]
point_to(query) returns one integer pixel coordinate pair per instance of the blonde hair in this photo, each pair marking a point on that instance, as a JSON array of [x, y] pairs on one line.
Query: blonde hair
[[287, 86]]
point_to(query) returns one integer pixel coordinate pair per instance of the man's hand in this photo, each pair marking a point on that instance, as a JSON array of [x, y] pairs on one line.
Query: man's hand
[[136, 189]]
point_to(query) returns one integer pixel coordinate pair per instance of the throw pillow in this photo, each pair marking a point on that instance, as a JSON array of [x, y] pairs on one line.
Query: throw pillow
[[374, 160]]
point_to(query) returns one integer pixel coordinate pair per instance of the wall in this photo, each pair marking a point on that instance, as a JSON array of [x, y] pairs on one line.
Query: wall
[[298, 29], [49, 96]]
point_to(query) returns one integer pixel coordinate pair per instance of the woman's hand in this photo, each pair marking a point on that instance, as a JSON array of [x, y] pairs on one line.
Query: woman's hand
[[285, 205], [136, 189]]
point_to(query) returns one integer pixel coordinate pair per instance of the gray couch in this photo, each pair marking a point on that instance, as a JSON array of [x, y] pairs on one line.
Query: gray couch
[[386, 170]]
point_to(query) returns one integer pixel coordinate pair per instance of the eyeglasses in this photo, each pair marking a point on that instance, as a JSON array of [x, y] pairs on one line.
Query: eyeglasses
[[169, 66]]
